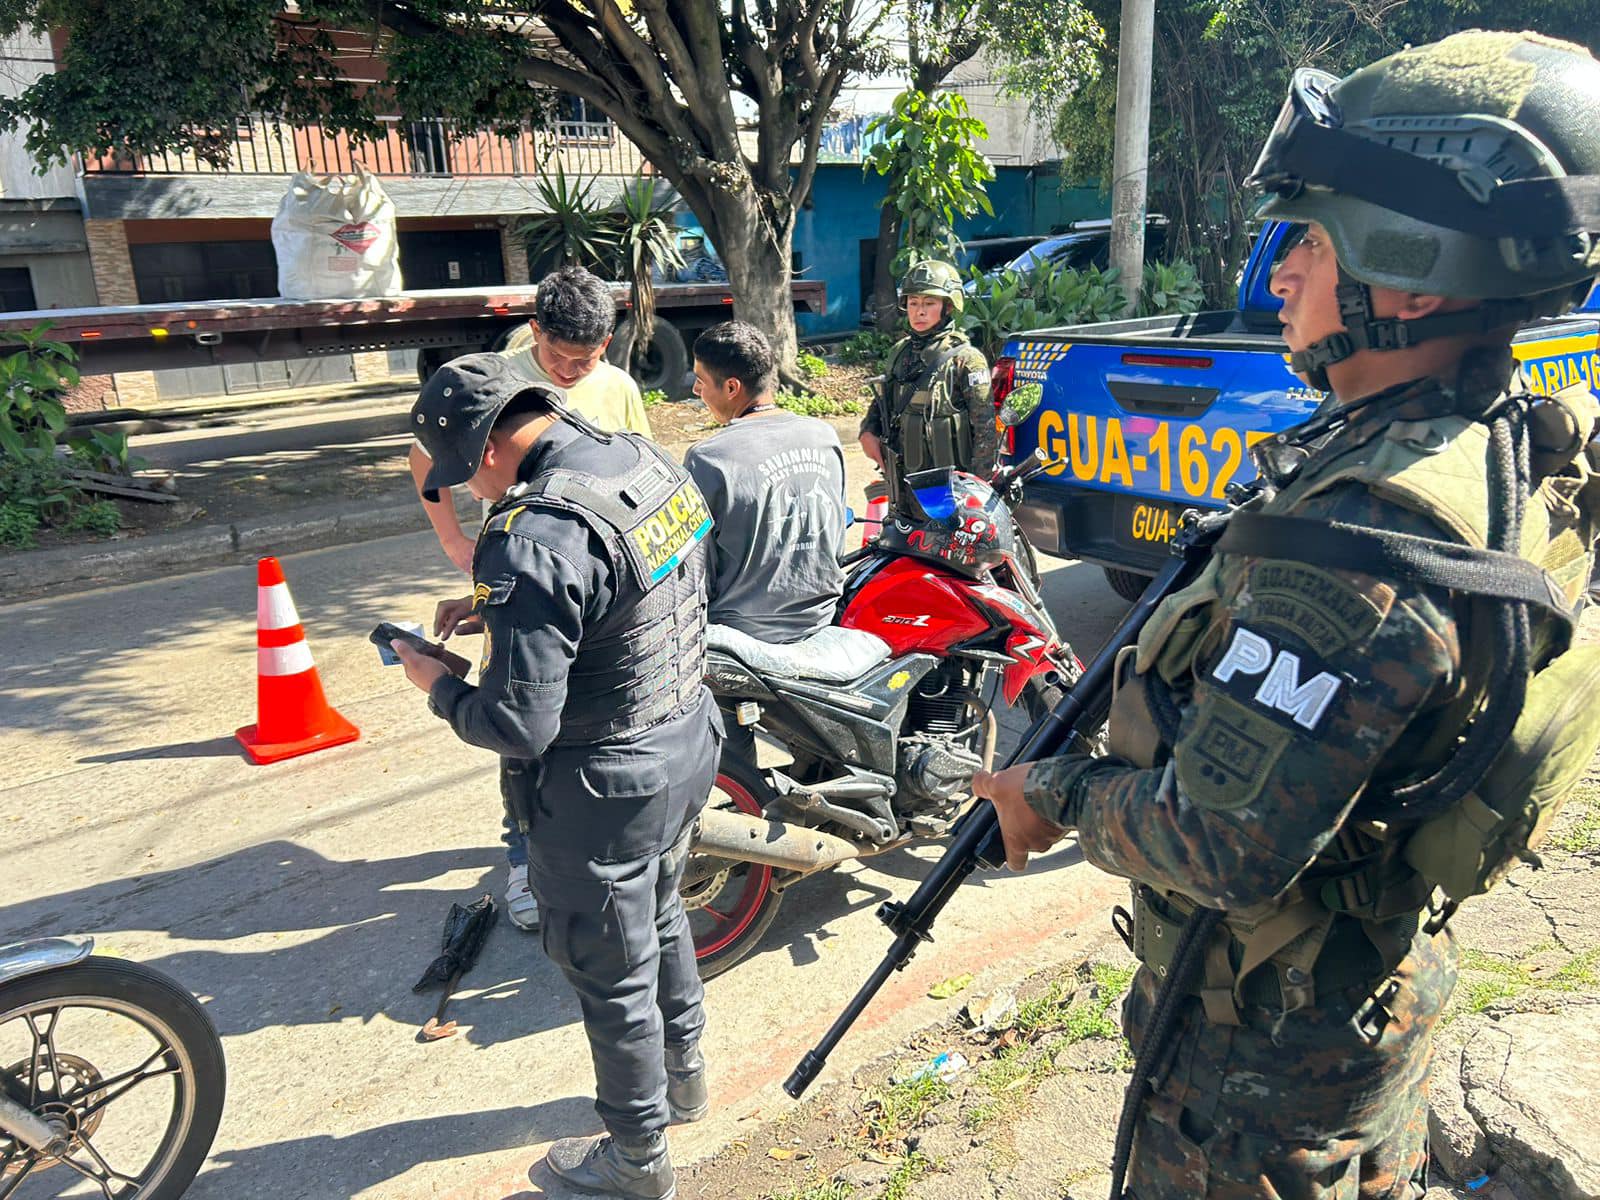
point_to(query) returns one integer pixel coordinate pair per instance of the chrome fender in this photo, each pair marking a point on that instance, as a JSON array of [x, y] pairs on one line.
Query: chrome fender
[[42, 954]]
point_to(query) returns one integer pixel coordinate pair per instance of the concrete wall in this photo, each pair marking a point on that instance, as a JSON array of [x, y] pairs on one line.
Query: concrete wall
[[47, 238], [24, 59]]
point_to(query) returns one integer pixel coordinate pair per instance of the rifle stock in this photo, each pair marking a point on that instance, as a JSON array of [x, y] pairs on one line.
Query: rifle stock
[[976, 839]]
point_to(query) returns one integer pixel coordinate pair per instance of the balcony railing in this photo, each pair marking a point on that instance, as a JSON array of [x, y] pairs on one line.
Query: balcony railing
[[431, 148]]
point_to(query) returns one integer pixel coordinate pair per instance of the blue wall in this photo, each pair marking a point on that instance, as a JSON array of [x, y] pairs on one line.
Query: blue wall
[[843, 212]]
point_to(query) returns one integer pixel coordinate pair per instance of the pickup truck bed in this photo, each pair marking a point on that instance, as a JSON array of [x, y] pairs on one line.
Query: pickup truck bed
[[1153, 416]]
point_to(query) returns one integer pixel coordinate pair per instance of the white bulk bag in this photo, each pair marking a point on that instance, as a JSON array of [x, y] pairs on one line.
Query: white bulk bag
[[334, 236]]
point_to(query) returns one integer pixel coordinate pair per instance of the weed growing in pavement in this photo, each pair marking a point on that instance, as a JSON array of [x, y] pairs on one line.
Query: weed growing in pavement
[[96, 516], [1503, 979], [910, 1169], [894, 1110], [833, 1190], [1584, 833], [653, 397]]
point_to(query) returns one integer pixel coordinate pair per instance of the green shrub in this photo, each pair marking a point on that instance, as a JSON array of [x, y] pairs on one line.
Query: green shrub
[[1011, 302], [867, 348], [812, 366], [1170, 289], [104, 450], [813, 404], [35, 482], [96, 516], [19, 525], [653, 397]]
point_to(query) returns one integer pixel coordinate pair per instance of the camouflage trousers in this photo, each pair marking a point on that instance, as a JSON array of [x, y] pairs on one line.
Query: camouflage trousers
[[1328, 1103]]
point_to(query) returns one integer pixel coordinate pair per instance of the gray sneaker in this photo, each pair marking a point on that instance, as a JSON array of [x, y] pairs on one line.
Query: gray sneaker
[[687, 1098], [522, 907], [632, 1168]]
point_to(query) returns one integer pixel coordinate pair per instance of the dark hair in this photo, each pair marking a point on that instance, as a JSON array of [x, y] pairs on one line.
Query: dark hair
[[574, 306], [738, 350]]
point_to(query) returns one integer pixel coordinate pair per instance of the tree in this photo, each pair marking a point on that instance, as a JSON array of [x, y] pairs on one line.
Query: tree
[[935, 173], [1221, 69], [667, 72], [1033, 47]]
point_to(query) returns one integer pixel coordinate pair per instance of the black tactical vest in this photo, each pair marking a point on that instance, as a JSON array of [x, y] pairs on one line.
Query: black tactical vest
[[644, 661]]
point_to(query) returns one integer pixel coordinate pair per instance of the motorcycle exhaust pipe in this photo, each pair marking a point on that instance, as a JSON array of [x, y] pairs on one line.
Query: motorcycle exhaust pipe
[[745, 838]]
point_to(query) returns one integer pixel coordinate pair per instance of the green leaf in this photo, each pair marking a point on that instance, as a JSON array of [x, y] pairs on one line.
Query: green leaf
[[950, 987]]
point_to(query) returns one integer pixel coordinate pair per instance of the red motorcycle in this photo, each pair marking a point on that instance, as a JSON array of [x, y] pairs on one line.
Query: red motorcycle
[[884, 715]]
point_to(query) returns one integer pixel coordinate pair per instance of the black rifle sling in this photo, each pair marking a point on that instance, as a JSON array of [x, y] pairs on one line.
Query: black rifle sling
[[1495, 574]]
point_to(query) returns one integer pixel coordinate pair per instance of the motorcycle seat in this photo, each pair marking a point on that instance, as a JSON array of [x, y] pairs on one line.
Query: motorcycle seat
[[831, 655]]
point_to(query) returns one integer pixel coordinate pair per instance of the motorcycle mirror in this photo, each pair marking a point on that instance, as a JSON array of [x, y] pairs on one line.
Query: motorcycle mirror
[[1020, 403]]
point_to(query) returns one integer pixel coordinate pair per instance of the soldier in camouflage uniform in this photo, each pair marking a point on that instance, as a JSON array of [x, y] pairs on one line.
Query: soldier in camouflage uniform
[[932, 408], [1274, 708]]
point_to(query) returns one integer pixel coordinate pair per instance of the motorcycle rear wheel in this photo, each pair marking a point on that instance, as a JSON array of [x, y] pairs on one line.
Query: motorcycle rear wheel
[[76, 1093], [731, 909]]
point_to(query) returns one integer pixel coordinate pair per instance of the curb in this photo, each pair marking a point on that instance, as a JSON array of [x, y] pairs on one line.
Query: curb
[[78, 567]]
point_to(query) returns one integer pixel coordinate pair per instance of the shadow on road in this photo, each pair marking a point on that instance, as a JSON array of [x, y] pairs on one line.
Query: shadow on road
[[287, 938], [322, 1166]]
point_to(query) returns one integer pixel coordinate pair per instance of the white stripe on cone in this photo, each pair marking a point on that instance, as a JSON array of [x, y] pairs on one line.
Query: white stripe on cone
[[274, 608], [284, 660]]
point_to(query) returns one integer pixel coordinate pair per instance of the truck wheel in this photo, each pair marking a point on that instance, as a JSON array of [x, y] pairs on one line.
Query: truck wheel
[[662, 365], [1129, 585]]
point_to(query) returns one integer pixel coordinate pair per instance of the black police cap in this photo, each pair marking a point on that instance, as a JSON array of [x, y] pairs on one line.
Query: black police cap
[[457, 408]]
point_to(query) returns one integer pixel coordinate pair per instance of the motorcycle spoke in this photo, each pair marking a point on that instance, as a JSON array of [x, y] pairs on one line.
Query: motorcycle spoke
[[45, 1044], [105, 1176], [120, 1085]]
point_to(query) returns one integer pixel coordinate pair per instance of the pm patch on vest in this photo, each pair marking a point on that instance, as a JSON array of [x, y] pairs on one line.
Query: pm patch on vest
[[1292, 688]]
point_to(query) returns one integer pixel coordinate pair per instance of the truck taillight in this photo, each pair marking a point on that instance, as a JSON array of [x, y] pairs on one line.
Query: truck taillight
[[1002, 381]]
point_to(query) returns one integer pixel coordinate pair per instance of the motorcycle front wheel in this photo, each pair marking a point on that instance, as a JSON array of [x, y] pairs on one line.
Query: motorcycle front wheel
[[122, 1063], [729, 904]]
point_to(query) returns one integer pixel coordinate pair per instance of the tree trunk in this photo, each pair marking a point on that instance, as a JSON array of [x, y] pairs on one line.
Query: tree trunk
[[755, 249], [885, 301]]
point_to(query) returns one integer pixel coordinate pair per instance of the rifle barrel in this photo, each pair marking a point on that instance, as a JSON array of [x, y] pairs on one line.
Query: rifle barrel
[[976, 838]]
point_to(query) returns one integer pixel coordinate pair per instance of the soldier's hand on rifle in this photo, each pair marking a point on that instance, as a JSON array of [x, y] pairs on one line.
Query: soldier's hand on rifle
[[1024, 831], [873, 448]]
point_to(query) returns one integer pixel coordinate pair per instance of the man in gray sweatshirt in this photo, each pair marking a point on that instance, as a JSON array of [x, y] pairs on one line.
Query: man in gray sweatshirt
[[774, 482]]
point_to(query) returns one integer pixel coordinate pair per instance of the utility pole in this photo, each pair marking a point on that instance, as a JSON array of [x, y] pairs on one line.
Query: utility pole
[[1131, 161]]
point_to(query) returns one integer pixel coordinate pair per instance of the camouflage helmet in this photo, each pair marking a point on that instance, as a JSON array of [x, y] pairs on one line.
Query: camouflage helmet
[[930, 277], [1469, 167]]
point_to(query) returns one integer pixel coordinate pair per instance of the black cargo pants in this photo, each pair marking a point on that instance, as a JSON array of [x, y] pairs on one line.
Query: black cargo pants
[[607, 848]]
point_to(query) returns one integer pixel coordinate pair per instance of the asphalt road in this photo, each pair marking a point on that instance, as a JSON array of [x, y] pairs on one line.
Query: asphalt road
[[300, 901]]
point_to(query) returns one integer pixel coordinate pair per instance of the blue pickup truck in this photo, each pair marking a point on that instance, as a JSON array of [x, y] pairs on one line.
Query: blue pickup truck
[[1152, 416]]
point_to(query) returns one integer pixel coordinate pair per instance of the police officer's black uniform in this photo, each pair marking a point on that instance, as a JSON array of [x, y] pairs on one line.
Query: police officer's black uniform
[[590, 576]]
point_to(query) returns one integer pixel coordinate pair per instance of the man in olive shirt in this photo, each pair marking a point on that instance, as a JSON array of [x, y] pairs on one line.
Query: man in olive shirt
[[564, 344]]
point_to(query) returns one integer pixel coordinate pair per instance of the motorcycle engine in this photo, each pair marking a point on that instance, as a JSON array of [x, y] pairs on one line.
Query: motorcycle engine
[[932, 769]]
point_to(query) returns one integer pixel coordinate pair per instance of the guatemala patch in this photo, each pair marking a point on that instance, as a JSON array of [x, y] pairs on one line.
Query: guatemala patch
[[1225, 761], [1292, 688], [1320, 608]]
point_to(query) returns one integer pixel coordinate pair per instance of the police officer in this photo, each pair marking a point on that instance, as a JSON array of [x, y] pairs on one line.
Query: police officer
[[1302, 745], [932, 408], [589, 581]]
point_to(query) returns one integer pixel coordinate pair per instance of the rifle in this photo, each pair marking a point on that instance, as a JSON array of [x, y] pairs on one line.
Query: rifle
[[976, 839]]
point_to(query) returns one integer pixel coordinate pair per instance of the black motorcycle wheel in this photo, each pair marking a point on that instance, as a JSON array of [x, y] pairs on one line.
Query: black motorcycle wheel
[[125, 1009], [730, 905]]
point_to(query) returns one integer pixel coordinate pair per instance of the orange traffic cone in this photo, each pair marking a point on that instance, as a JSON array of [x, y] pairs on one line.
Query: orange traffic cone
[[877, 510], [292, 715]]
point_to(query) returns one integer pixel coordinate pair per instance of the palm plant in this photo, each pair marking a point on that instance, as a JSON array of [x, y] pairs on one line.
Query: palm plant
[[646, 241], [574, 229]]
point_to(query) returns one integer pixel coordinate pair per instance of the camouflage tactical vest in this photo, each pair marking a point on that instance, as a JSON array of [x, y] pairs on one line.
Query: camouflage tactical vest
[[928, 428], [1375, 871]]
